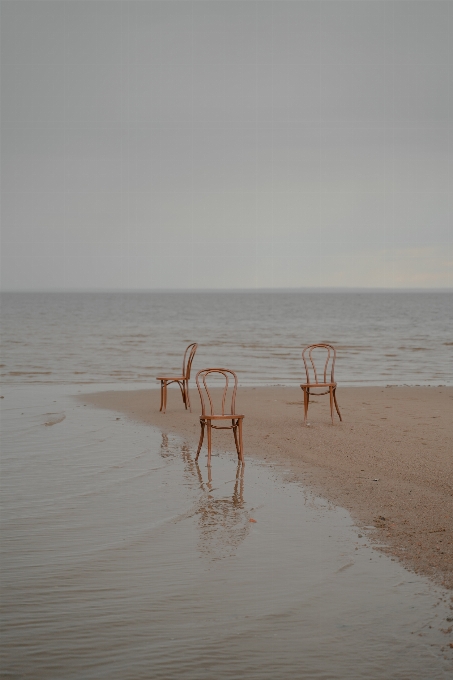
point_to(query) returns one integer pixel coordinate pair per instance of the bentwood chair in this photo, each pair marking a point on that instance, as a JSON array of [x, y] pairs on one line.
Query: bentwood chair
[[182, 380], [207, 408], [323, 382]]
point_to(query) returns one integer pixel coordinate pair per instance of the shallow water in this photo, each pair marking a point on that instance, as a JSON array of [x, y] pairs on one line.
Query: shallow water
[[122, 559], [381, 338]]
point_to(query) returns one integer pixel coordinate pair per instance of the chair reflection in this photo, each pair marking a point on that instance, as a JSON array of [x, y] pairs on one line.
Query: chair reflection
[[222, 522], [165, 451], [237, 499], [222, 519]]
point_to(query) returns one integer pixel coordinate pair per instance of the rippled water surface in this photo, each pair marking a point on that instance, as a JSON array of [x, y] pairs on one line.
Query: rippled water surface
[[381, 338], [122, 558]]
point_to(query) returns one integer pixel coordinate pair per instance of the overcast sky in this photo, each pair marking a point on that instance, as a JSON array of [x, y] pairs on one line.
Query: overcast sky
[[223, 144]]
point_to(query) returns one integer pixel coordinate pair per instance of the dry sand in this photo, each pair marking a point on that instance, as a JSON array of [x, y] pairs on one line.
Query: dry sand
[[390, 462]]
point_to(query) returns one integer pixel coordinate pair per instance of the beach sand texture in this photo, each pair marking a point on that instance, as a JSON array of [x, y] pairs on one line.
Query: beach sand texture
[[390, 462]]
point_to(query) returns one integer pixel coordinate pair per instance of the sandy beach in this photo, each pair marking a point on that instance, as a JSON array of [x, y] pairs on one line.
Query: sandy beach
[[389, 462]]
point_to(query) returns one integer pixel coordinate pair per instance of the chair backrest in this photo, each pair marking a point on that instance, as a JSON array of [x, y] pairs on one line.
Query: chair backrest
[[186, 367], [330, 355], [223, 376]]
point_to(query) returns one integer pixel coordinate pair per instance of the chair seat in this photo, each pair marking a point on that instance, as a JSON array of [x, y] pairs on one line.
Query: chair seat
[[170, 377], [231, 416], [327, 384]]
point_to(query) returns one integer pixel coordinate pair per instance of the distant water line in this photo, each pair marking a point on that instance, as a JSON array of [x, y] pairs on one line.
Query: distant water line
[[381, 338]]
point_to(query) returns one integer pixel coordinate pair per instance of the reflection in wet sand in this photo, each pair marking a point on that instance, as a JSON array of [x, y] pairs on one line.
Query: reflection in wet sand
[[223, 519], [166, 450]]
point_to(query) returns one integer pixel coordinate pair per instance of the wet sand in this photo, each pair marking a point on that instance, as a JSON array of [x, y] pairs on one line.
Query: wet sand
[[390, 461]]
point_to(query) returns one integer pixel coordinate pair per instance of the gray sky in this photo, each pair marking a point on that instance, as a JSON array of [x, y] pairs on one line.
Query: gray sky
[[226, 144]]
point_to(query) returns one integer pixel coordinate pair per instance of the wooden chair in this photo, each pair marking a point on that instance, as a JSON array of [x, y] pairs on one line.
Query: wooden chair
[[208, 415], [182, 380], [313, 381]]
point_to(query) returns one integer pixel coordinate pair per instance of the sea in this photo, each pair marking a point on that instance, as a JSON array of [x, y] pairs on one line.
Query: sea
[[123, 558], [380, 337]]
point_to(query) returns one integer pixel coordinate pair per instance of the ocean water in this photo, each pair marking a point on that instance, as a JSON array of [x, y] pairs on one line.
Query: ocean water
[[123, 558], [381, 338]]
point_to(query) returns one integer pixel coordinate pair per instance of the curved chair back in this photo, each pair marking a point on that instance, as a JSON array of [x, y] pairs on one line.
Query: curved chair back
[[225, 376], [186, 367], [310, 364]]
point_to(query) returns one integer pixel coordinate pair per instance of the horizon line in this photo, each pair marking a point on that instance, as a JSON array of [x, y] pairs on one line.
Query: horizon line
[[301, 289]]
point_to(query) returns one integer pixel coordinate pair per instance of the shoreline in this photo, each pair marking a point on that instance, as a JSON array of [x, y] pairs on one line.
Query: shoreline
[[389, 463]]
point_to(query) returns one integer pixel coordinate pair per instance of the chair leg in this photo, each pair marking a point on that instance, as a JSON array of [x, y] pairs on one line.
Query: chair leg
[[235, 427], [336, 405], [161, 395], [305, 405], [183, 394], [187, 396], [208, 425], [241, 443], [200, 443], [331, 403]]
